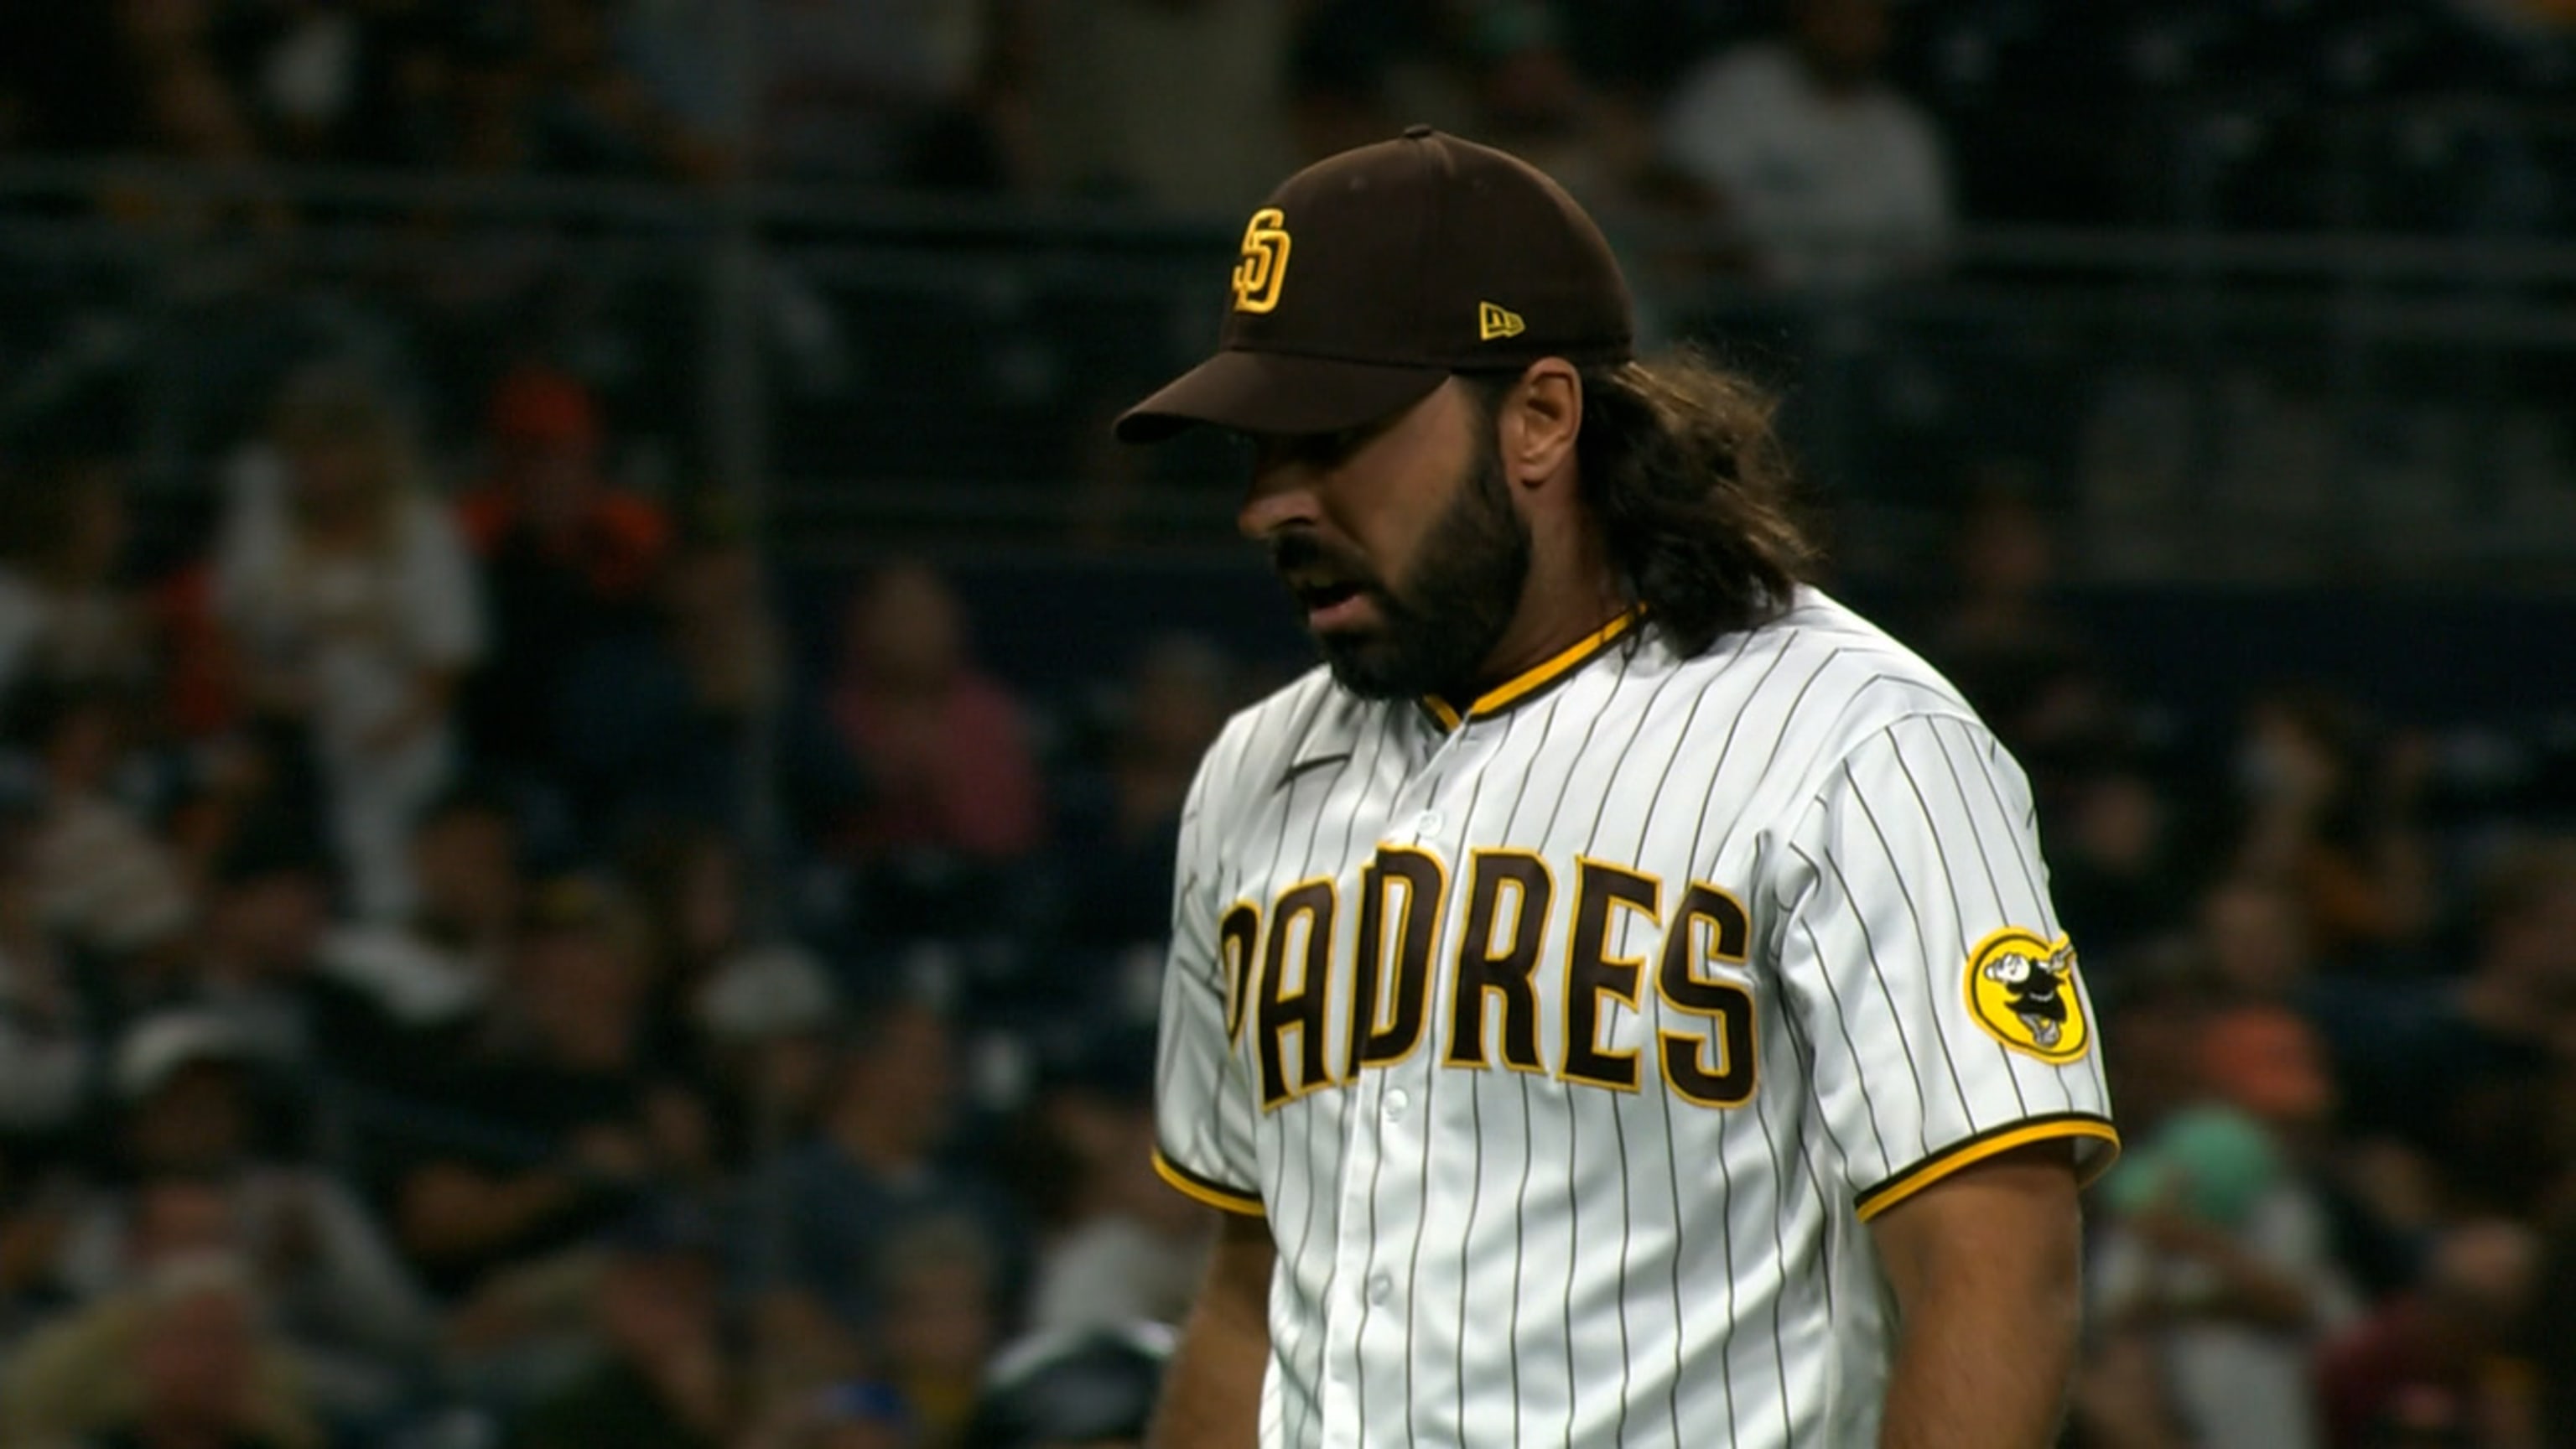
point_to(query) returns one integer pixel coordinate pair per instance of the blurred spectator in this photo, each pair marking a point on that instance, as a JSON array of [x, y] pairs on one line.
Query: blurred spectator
[[266, 907], [165, 95], [690, 880], [307, 63], [2337, 819], [180, 1362], [942, 747], [2158, 1004], [2003, 638], [1342, 73], [2120, 1400], [2111, 872], [859, 1414], [2256, 941], [1178, 104], [2525, 18], [840, 1204], [353, 603], [468, 84], [552, 1124], [63, 613], [45, 1054], [593, 114], [666, 1377], [1119, 837], [102, 878], [1094, 1388], [656, 727], [401, 998], [690, 883], [1530, 100], [568, 559], [765, 1017], [159, 86], [2466, 1076], [867, 90], [942, 1319], [1813, 161], [2439, 1364], [324, 1268], [1130, 1249], [2550, 1335], [2219, 1243]]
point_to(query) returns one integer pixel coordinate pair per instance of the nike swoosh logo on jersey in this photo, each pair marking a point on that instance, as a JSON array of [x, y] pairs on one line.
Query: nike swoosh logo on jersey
[[1302, 767]]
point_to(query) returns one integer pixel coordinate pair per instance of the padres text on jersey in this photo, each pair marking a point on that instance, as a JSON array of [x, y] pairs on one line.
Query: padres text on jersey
[[1569, 1037]]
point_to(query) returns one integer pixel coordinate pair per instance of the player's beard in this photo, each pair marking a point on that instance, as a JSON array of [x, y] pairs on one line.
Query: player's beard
[[1440, 623]]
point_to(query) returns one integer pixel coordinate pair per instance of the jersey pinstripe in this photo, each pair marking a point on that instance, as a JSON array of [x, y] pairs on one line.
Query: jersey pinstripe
[[1567, 1041]]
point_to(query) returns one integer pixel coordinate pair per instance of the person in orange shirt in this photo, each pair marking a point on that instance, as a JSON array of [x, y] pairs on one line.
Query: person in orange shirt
[[568, 557]]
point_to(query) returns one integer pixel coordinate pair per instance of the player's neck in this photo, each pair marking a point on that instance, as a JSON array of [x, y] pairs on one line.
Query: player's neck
[[1550, 621]]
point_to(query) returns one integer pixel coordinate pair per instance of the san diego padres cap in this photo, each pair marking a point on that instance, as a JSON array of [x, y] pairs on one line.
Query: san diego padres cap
[[1369, 277]]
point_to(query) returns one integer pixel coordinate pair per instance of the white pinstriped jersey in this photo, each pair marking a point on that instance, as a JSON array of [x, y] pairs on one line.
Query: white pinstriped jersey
[[1568, 1046]]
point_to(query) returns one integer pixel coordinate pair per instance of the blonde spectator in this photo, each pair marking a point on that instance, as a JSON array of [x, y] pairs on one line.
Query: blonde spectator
[[181, 1360], [188, 1130], [353, 606]]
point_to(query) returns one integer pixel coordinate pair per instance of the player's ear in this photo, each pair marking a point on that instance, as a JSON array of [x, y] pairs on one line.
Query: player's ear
[[1539, 420]]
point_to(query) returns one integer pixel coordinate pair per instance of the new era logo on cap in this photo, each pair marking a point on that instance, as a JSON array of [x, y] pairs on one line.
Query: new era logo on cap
[[1399, 248]]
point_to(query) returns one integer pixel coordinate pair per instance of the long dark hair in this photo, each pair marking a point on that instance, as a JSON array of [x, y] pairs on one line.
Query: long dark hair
[[1695, 495]]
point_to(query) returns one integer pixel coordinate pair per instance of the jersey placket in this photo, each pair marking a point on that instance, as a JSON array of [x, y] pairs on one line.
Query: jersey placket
[[1382, 1188]]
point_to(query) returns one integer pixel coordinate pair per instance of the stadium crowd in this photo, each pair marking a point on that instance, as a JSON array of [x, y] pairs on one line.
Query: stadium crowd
[[473, 971], [413, 1028], [393, 1023], [1872, 113]]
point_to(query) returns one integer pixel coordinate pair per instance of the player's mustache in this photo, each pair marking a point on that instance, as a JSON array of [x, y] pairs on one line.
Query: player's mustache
[[1301, 557]]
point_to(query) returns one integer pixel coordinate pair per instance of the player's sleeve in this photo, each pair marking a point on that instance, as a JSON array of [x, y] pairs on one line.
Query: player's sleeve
[[1203, 1108], [1913, 871]]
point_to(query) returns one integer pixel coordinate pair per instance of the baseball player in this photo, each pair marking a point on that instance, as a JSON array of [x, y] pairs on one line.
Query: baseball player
[[1616, 999]]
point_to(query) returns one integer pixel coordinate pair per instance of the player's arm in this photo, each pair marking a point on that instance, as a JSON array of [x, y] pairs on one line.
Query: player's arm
[[1212, 1393], [1204, 1116], [1964, 1096], [1986, 1267]]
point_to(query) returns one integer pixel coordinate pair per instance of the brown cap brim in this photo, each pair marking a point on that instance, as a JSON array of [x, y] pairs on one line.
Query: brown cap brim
[[1277, 392]]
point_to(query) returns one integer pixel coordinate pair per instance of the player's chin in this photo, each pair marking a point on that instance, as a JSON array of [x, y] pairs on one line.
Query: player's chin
[[1365, 662]]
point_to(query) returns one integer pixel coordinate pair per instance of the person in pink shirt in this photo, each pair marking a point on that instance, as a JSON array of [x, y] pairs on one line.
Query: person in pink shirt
[[943, 747]]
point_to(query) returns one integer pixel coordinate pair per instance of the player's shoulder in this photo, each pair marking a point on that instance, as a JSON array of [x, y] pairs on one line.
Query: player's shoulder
[[1821, 651], [1306, 719], [1823, 677]]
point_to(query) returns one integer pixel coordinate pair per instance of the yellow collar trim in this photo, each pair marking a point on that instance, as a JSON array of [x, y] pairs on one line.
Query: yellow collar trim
[[1530, 681]]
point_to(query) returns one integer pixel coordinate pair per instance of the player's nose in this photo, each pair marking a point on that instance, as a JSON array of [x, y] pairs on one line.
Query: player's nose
[[1280, 497]]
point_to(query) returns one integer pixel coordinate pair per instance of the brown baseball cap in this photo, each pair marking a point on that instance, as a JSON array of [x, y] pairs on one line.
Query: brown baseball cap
[[1370, 277]]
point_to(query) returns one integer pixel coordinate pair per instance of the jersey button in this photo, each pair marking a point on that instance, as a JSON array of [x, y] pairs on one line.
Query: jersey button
[[1396, 1102], [1381, 1288], [1428, 823]]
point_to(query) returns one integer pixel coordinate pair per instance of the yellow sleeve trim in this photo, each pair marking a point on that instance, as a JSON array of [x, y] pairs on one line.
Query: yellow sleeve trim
[[1215, 1195], [1988, 1144]]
